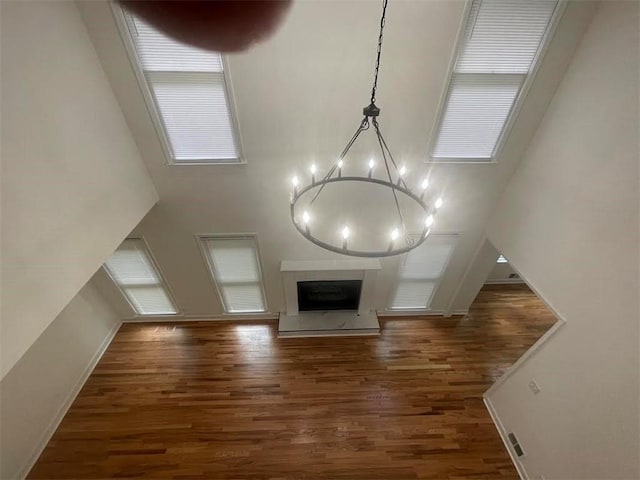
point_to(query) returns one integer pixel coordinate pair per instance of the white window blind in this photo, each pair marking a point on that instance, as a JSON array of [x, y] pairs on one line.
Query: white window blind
[[235, 267], [133, 271], [420, 271], [498, 51], [189, 91]]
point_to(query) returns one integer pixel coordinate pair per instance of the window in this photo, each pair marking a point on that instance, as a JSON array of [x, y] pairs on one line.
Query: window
[[135, 273], [501, 259], [499, 50], [235, 265], [420, 272], [187, 95]]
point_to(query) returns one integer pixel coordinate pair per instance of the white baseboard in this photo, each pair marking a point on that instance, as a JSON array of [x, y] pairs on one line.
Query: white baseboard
[[276, 316], [505, 439], [419, 313], [66, 404], [528, 354], [201, 318], [506, 281]]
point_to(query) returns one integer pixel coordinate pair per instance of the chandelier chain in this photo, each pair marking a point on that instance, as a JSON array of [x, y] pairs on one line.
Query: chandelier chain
[[375, 78]]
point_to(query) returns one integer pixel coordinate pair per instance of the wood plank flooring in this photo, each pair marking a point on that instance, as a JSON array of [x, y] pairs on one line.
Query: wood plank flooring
[[205, 400]]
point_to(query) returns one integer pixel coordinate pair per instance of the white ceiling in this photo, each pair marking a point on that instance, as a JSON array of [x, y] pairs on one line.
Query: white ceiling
[[299, 97]]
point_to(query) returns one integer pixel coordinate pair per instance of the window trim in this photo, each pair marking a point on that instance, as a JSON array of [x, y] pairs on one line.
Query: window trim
[[161, 276], [455, 237], [200, 240], [152, 105], [517, 104]]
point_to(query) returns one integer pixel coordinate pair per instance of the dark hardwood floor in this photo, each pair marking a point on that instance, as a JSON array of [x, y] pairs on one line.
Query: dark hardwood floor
[[230, 400]]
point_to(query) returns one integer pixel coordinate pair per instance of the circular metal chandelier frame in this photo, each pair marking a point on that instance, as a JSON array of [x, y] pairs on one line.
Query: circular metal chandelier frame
[[305, 230]]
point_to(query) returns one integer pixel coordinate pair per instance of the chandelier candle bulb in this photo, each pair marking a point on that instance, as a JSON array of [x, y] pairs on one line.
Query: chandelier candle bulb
[[423, 187], [395, 233], [340, 164], [438, 203], [345, 236], [313, 172], [429, 221], [305, 219], [401, 173], [295, 183], [371, 165], [427, 225]]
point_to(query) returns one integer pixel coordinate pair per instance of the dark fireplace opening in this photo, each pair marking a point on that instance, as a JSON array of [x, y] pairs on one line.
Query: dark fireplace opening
[[329, 295]]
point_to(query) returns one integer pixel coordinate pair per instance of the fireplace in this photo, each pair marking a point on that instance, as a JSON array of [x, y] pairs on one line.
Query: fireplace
[[329, 297], [319, 295]]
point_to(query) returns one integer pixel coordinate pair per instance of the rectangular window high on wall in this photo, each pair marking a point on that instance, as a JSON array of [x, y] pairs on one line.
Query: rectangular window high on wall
[[186, 92], [134, 272], [497, 56], [234, 263], [420, 273]]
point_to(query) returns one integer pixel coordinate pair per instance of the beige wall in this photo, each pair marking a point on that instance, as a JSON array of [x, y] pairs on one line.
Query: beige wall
[[279, 139], [568, 222], [73, 185], [40, 387]]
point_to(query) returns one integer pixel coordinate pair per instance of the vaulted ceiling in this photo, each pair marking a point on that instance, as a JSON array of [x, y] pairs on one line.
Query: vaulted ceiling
[[298, 98]]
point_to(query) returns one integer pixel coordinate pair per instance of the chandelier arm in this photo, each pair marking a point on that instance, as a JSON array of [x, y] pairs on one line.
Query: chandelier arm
[[364, 125], [386, 164], [402, 182]]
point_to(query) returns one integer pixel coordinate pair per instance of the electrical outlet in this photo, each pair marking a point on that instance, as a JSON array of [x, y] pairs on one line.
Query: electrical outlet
[[534, 387]]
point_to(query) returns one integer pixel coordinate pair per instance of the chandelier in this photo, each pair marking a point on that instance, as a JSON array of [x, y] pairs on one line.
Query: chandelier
[[396, 190]]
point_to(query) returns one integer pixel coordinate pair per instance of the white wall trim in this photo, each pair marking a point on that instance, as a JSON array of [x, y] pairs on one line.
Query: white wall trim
[[529, 353], [66, 404], [505, 281], [202, 318], [275, 316], [503, 435], [420, 313]]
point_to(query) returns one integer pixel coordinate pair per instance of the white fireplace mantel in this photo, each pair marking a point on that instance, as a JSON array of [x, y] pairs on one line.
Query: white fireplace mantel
[[294, 271]]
